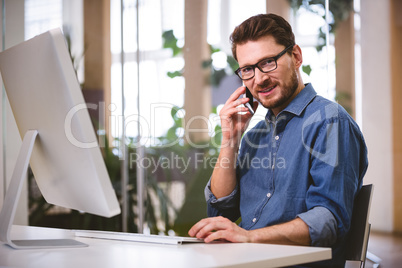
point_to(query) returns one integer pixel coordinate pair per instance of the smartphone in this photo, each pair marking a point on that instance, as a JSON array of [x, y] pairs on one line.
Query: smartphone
[[250, 103]]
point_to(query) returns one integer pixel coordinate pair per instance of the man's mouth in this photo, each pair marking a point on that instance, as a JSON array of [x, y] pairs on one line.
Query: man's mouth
[[267, 90]]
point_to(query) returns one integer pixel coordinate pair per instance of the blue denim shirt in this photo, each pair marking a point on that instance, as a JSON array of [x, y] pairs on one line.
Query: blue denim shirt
[[307, 162]]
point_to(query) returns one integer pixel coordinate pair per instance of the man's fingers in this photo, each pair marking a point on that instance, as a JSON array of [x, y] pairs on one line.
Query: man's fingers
[[197, 227], [207, 229], [218, 228], [213, 236], [207, 226], [234, 104], [236, 94], [234, 111]]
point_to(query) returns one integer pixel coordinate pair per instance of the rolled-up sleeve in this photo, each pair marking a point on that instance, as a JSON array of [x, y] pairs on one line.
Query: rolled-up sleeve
[[322, 226], [227, 206]]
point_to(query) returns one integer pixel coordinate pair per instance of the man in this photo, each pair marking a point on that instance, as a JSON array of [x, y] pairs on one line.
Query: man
[[295, 177]]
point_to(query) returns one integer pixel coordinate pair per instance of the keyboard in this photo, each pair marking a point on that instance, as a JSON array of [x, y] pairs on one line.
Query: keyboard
[[135, 237]]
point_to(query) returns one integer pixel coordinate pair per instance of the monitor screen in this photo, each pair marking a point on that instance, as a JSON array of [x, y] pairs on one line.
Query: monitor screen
[[45, 96]]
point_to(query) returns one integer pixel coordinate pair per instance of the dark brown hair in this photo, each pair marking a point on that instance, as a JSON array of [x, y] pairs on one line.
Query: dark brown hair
[[262, 25]]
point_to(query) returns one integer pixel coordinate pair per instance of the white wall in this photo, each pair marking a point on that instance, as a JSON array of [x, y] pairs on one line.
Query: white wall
[[376, 108], [12, 141], [2, 184]]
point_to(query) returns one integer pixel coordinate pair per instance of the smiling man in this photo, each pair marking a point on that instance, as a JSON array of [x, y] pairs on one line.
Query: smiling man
[[307, 197]]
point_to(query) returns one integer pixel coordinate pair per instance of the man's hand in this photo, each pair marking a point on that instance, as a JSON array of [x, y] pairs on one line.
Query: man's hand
[[294, 232], [234, 118], [219, 228]]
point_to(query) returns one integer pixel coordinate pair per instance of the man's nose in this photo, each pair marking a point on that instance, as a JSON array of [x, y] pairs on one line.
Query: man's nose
[[260, 76]]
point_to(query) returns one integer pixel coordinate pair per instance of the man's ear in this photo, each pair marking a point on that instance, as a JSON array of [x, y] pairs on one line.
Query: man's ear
[[297, 56]]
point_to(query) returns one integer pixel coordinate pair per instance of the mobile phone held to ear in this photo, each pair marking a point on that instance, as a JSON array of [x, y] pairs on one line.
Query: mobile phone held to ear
[[250, 103]]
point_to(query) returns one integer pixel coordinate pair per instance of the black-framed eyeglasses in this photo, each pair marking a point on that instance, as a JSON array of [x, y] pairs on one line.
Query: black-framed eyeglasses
[[266, 65]]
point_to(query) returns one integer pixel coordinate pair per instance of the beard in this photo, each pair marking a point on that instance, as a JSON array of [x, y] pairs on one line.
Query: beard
[[285, 94]]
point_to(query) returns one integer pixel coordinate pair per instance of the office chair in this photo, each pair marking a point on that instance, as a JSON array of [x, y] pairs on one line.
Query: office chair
[[357, 241]]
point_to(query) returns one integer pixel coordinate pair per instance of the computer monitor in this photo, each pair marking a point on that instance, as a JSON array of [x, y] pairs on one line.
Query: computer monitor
[[59, 140]]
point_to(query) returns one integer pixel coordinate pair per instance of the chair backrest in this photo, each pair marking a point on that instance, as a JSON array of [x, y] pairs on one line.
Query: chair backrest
[[356, 246]]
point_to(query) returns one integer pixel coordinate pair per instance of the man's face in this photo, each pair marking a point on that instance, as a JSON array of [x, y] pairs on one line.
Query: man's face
[[276, 89]]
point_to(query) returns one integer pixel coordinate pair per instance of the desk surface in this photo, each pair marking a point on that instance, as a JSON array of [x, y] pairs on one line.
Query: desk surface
[[110, 253]]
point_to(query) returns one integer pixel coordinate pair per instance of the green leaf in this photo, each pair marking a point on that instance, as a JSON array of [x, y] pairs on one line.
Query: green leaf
[[214, 49], [207, 64], [232, 63], [175, 74], [217, 76], [170, 41], [306, 69]]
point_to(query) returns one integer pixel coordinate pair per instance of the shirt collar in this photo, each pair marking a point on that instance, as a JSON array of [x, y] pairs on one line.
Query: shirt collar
[[298, 104]]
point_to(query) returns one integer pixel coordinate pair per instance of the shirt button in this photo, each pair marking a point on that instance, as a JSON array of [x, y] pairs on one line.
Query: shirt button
[[268, 195], [273, 166], [277, 137], [255, 219]]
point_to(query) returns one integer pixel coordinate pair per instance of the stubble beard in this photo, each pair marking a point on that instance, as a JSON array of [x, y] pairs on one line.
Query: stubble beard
[[287, 92]]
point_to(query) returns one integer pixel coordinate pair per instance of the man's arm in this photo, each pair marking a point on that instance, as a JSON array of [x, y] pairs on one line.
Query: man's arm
[[295, 232], [223, 179]]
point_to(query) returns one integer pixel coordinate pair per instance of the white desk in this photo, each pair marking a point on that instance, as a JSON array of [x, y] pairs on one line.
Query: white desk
[[110, 253]]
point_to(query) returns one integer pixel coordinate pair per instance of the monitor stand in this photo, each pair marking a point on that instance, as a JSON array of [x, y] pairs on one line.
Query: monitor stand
[[11, 201]]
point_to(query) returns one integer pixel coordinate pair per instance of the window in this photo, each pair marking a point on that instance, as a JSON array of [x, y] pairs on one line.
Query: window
[[42, 15]]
